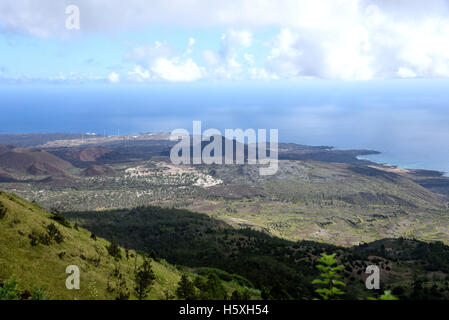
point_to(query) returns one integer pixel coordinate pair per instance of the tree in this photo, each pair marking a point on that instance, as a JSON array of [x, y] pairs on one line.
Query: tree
[[126, 251], [186, 289], [144, 277], [329, 277], [154, 256], [114, 250], [244, 295], [215, 289], [122, 290], [168, 295]]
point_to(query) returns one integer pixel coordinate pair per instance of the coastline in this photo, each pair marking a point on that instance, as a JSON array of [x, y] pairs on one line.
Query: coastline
[[393, 165]]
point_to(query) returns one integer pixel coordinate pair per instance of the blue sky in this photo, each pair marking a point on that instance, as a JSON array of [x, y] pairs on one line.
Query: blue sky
[[95, 56], [177, 41]]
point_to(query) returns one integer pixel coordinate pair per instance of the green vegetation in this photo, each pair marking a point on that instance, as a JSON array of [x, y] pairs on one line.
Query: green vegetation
[[385, 296], [36, 249], [330, 279], [3, 211], [144, 279], [113, 249], [10, 291], [338, 203], [186, 289], [278, 268]]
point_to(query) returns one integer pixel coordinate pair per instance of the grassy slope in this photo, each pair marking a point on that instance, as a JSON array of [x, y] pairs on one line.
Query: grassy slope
[[41, 265]]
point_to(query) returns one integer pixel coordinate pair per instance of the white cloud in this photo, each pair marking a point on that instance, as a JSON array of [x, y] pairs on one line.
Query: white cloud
[[235, 38], [145, 55], [249, 58], [211, 58], [176, 70], [340, 39], [114, 77], [159, 63], [261, 74], [406, 73], [139, 74], [363, 43], [227, 62]]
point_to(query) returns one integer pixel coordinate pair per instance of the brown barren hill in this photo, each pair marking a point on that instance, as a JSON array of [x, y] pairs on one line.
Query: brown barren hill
[[6, 177], [4, 149], [32, 161], [91, 154], [98, 171]]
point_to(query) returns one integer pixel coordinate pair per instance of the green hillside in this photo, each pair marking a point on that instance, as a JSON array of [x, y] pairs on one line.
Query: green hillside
[[279, 268], [30, 255]]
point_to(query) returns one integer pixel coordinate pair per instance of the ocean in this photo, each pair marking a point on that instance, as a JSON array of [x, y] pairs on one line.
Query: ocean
[[406, 120]]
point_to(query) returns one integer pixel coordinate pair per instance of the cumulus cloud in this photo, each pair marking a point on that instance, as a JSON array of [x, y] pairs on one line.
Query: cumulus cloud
[[114, 77], [159, 62], [139, 75], [339, 39], [225, 64], [365, 41], [175, 70]]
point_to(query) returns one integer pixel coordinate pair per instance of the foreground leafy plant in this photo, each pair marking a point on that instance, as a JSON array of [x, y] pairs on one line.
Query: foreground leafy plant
[[329, 277], [10, 290], [38, 294], [386, 296]]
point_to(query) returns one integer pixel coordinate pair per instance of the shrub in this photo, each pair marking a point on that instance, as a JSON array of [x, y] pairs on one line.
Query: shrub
[[10, 290], [386, 296], [59, 238], [3, 211], [34, 239], [114, 250], [38, 294], [37, 237], [154, 256], [45, 239], [54, 233], [56, 216]]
